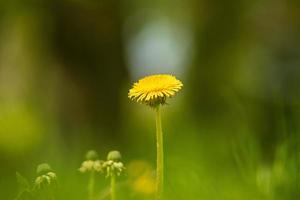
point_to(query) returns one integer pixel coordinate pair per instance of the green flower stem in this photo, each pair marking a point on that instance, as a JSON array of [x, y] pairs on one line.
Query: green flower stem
[[113, 186], [160, 156], [91, 185]]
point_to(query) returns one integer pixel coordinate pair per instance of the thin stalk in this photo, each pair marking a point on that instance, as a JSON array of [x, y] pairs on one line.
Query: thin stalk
[[91, 185], [160, 156], [113, 186]]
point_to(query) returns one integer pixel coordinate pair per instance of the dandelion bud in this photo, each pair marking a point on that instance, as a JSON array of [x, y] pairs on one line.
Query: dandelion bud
[[43, 169], [114, 156], [91, 155]]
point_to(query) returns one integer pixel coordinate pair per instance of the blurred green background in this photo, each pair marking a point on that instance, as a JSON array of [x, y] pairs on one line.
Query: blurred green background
[[232, 133]]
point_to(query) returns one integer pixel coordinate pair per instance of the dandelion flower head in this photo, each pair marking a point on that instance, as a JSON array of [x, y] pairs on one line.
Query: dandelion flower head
[[155, 89]]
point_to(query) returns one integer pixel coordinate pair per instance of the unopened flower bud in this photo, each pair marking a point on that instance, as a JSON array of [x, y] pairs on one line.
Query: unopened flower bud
[[91, 155], [114, 156], [43, 169]]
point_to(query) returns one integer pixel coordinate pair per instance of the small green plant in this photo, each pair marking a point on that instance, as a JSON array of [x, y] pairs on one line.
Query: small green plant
[[91, 165], [43, 187], [25, 189], [114, 167], [45, 182]]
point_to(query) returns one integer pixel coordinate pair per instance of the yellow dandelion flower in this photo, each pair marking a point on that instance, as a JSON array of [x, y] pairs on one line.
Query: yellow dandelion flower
[[155, 89]]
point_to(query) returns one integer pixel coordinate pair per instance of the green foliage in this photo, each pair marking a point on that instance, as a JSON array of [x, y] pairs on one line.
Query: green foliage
[[25, 190]]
